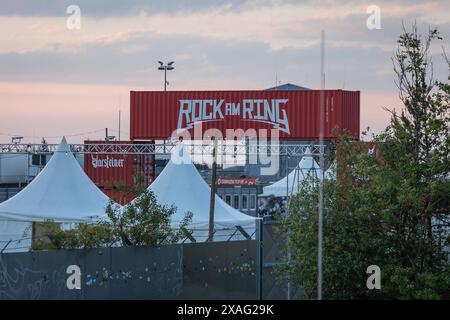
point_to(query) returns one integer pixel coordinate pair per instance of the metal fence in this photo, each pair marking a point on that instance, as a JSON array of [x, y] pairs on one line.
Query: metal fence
[[220, 270], [106, 273], [202, 270]]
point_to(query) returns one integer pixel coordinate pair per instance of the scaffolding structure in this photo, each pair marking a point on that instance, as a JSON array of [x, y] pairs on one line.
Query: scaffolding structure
[[195, 148]]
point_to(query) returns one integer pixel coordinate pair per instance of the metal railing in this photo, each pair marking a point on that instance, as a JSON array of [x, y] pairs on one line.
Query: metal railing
[[189, 235]]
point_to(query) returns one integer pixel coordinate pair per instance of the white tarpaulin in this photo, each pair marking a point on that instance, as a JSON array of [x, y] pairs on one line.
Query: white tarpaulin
[[181, 185], [292, 183], [62, 192]]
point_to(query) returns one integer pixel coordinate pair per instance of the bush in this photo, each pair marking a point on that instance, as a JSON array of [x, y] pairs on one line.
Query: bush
[[142, 222]]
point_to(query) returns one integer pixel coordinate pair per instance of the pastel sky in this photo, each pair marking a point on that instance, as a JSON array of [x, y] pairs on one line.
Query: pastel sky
[[55, 81]]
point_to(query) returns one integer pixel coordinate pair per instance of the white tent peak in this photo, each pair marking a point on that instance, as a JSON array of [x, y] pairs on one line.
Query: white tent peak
[[180, 155], [308, 161], [61, 192], [180, 184], [63, 146], [307, 166]]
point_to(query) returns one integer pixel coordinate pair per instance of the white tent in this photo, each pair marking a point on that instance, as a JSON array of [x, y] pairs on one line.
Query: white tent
[[292, 183], [330, 173], [61, 192], [181, 185]]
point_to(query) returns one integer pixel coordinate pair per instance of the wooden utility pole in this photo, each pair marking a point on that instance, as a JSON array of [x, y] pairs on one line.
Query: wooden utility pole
[[213, 191]]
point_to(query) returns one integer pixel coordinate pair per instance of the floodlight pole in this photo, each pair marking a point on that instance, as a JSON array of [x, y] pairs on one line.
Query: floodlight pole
[[321, 158], [165, 78], [165, 67]]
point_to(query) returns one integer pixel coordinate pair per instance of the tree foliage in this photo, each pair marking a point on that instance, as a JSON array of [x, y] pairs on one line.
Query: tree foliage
[[141, 222], [388, 208], [145, 222]]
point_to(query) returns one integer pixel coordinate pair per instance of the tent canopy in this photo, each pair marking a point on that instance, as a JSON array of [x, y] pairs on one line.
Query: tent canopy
[[330, 173], [181, 185], [292, 183], [61, 192]]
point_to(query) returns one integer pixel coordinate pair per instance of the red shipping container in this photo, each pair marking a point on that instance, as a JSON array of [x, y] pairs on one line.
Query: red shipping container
[[117, 196], [109, 170], [157, 114]]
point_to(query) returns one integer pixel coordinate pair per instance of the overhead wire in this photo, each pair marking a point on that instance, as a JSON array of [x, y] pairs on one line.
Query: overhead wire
[[51, 137]]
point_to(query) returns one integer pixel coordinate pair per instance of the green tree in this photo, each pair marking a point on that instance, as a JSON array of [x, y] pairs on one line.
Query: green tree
[[145, 222], [141, 222], [82, 236], [389, 208]]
